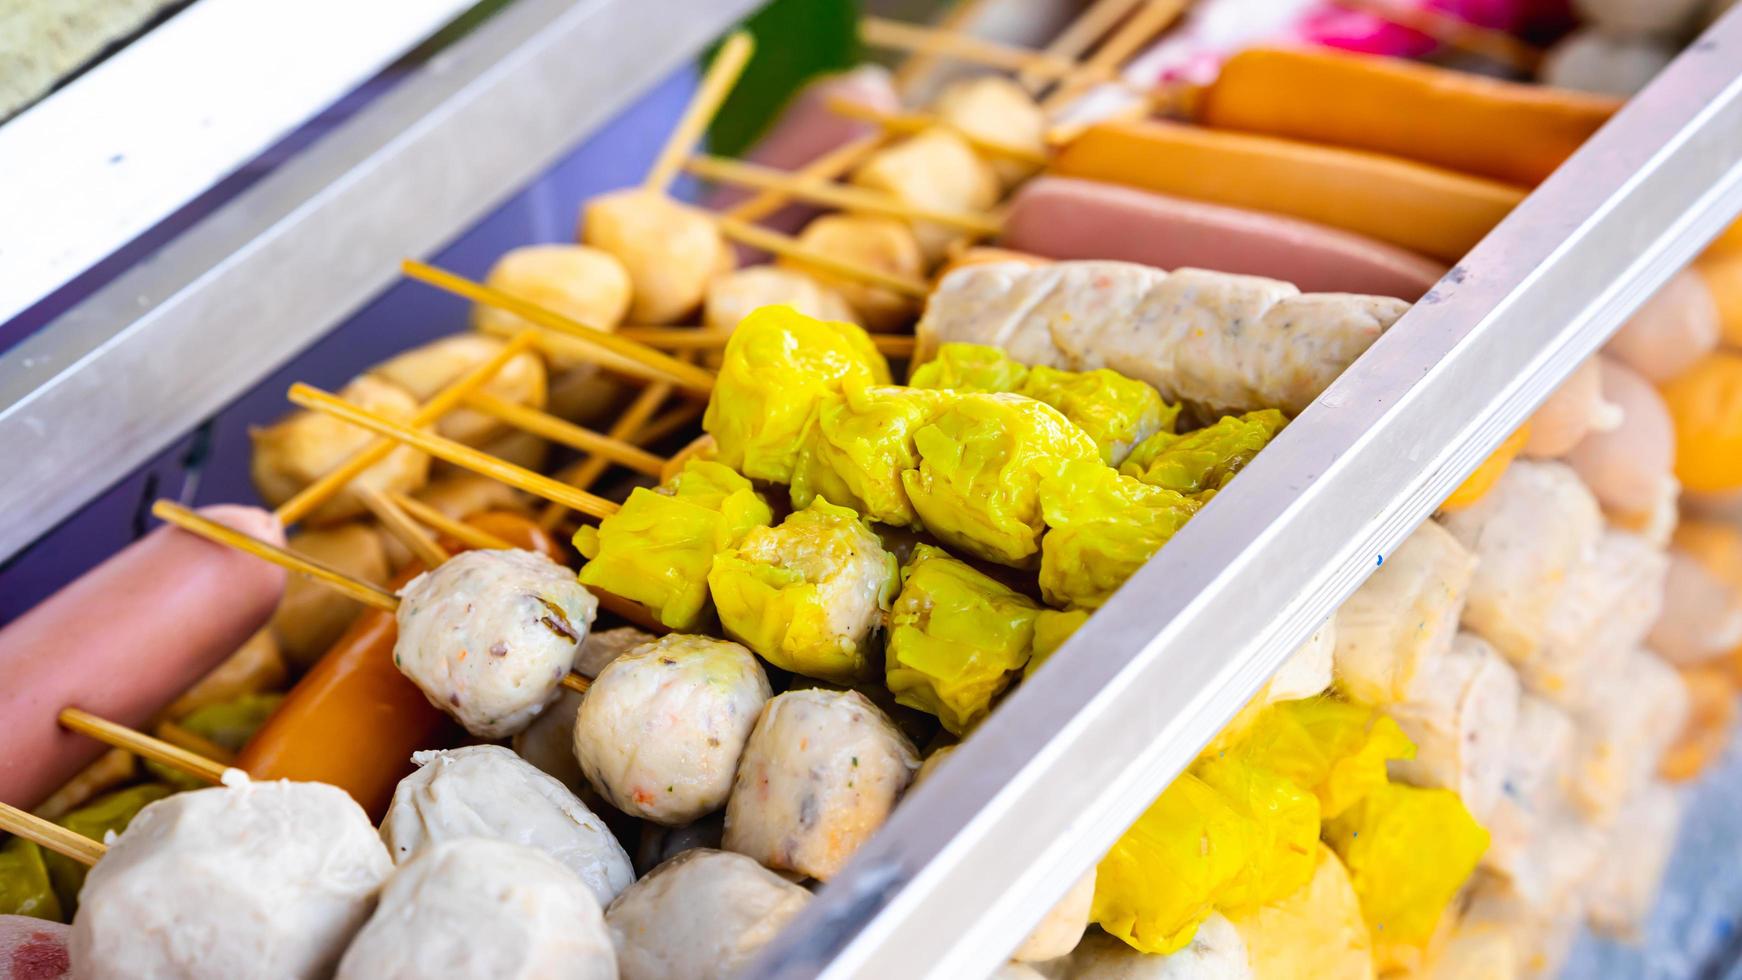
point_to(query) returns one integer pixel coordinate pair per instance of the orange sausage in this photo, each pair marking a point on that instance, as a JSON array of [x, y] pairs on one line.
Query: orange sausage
[[354, 720], [1429, 210], [1505, 131]]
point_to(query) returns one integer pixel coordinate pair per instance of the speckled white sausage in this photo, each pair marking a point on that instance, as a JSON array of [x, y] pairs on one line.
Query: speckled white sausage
[[1403, 618], [1624, 889], [1531, 791], [266, 880], [489, 635], [483, 908], [1462, 725], [660, 731], [1603, 613], [822, 771], [1623, 729], [488, 791], [704, 913], [1309, 670], [1224, 342]]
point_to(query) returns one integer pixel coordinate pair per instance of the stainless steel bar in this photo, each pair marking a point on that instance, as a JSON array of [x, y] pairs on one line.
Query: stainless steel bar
[[104, 387], [973, 858]]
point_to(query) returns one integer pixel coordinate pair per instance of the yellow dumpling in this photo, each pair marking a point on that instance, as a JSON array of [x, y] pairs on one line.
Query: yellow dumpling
[[1101, 528], [774, 374], [860, 445], [956, 638], [808, 594], [1051, 629], [1336, 750], [981, 463], [1287, 819], [1205, 460], [658, 549]]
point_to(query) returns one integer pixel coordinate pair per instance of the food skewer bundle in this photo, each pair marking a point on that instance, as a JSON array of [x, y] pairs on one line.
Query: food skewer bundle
[[1039, 450]]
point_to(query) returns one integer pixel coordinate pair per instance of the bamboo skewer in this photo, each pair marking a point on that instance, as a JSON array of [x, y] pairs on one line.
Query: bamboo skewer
[[701, 339], [908, 123], [50, 835], [460, 531], [444, 401], [586, 472], [923, 62], [142, 745], [394, 519], [935, 41], [1149, 20], [830, 194], [788, 247], [550, 427], [686, 375], [1078, 35], [453, 452], [721, 76], [187, 520], [829, 166], [181, 738]]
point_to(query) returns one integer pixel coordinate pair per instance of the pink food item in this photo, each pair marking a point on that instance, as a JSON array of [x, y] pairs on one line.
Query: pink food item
[[1630, 467], [1670, 331], [124, 640], [1067, 218], [1576, 409], [33, 949]]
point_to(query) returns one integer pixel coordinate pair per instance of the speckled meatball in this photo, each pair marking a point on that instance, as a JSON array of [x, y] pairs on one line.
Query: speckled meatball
[[483, 908], [821, 773], [704, 913], [660, 731], [489, 635], [549, 742], [488, 791], [262, 880]]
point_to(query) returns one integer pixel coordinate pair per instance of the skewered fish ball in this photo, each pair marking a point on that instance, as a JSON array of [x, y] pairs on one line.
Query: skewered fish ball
[[483, 908], [488, 791], [660, 731], [426, 370], [489, 635], [671, 250], [585, 284], [809, 594], [935, 169], [703, 913], [549, 742], [821, 772], [255, 880], [738, 294], [293, 452], [996, 109], [884, 244]]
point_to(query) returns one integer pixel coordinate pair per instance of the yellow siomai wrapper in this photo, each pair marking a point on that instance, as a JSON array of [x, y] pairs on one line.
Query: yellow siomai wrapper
[[1203, 461], [1408, 850], [1287, 818], [956, 638], [109, 812], [773, 375], [1115, 411], [1334, 749], [1051, 629], [659, 548], [808, 595], [859, 445], [1165, 874], [1101, 528], [981, 463]]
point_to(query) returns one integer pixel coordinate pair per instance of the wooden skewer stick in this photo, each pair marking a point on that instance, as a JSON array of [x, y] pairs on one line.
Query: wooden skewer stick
[[721, 76], [881, 32], [830, 194], [786, 246], [187, 520], [444, 401], [466, 534], [1151, 19], [583, 474], [401, 526], [914, 122], [829, 166], [1090, 26], [918, 66], [569, 434], [575, 682], [50, 835], [453, 452], [694, 338], [142, 745], [687, 375], [669, 421], [198, 744]]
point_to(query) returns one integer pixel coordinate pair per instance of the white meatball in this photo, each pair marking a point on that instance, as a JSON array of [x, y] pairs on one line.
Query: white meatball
[[489, 635], [1216, 953], [660, 731], [488, 791], [704, 913], [483, 908], [549, 742], [252, 880], [670, 250], [820, 774]]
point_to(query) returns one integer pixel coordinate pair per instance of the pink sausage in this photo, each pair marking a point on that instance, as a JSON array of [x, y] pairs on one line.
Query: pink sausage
[[122, 641], [1067, 218], [33, 949]]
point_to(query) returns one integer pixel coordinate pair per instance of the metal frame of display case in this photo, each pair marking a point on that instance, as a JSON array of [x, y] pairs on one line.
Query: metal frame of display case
[[975, 856]]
